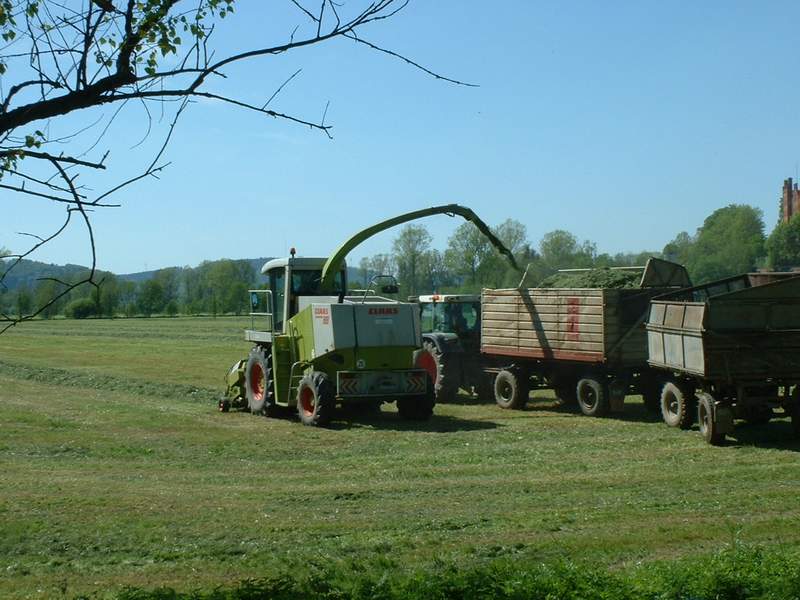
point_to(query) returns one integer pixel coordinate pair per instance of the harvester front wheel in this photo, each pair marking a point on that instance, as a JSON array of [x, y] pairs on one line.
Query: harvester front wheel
[[442, 369], [511, 389], [678, 405], [259, 388], [315, 399]]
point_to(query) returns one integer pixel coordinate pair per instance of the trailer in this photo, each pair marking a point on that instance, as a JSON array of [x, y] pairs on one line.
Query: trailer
[[588, 344], [728, 350]]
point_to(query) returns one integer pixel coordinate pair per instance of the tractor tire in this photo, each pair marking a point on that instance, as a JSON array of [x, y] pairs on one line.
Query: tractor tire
[[511, 389], [709, 428], [316, 400], [259, 387], [593, 397], [417, 408], [443, 370], [678, 405]]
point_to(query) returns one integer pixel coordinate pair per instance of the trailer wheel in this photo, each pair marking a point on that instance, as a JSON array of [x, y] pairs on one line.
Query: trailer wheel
[[315, 400], [592, 397], [259, 387], [442, 368], [511, 389], [677, 406], [417, 408], [706, 417]]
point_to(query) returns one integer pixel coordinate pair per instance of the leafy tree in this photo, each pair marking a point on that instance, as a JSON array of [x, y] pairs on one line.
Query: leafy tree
[[410, 248], [783, 245], [81, 308], [24, 301], [151, 297], [679, 250], [731, 241], [66, 61], [466, 251], [560, 249]]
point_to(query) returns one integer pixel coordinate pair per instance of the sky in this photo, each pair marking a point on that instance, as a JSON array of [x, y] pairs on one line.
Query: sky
[[624, 123]]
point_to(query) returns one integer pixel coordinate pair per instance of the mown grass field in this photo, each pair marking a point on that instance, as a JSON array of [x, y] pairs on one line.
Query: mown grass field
[[116, 469]]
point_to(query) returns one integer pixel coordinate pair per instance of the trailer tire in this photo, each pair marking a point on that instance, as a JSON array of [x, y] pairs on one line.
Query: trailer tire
[[259, 386], [593, 397], [316, 400], [417, 408], [677, 405], [442, 368], [511, 389], [709, 427]]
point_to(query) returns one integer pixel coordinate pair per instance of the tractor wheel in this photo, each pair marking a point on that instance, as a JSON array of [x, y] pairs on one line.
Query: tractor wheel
[[677, 405], [259, 387], [417, 408], [593, 398], [709, 428], [316, 399], [442, 369], [511, 389]]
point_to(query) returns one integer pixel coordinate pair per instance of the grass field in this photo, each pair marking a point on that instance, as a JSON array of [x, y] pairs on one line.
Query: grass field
[[116, 469]]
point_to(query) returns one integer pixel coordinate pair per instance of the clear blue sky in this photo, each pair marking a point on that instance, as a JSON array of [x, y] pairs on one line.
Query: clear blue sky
[[622, 122]]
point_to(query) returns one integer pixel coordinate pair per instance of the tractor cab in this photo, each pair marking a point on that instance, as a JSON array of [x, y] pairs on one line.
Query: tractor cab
[[450, 313], [289, 281]]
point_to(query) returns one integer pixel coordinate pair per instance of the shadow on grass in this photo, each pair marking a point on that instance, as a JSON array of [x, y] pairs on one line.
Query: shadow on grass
[[778, 434], [391, 421]]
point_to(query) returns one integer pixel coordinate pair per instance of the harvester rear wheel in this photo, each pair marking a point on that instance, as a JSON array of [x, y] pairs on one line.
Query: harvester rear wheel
[[511, 389], [442, 368], [417, 408], [678, 405], [316, 399], [593, 397], [259, 387]]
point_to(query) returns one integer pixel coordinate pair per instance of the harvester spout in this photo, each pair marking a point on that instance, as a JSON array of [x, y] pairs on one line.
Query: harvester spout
[[333, 264]]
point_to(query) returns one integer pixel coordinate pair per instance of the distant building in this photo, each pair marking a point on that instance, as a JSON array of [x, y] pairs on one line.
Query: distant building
[[790, 202]]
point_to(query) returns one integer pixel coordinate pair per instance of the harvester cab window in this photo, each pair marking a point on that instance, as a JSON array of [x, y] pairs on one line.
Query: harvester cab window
[[277, 285], [306, 283]]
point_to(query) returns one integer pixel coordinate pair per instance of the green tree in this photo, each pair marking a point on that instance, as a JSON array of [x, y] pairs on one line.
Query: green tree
[[467, 249], [151, 297], [783, 245], [24, 302], [731, 241], [560, 249], [410, 248]]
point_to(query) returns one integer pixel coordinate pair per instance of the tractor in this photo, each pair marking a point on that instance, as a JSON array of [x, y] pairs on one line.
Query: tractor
[[315, 346], [451, 344]]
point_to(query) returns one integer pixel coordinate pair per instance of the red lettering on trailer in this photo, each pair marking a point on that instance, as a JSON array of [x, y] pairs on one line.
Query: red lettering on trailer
[[573, 319], [383, 311]]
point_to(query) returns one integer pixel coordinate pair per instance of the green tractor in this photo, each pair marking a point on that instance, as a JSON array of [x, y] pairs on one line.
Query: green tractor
[[451, 345], [314, 346]]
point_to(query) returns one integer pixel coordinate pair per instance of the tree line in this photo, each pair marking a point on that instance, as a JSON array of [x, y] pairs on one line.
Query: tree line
[[212, 288], [730, 241]]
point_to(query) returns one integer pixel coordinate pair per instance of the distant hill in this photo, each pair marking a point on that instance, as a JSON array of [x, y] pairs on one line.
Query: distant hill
[[28, 272]]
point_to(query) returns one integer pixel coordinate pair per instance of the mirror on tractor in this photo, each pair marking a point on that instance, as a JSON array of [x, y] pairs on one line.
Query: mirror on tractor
[[390, 289]]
